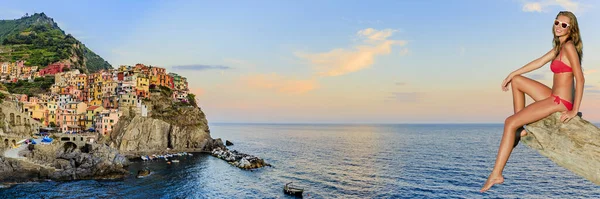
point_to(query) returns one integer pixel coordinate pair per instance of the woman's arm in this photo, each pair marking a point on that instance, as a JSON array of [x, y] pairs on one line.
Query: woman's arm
[[535, 64], [577, 72]]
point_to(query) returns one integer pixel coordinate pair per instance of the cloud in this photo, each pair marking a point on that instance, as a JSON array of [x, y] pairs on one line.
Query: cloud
[[342, 61], [406, 96], [278, 83], [542, 6], [201, 67], [532, 7], [401, 83]]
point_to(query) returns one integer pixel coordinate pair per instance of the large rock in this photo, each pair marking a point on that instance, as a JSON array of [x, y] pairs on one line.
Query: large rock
[[145, 135], [574, 145], [101, 162], [238, 159], [57, 162], [170, 125]]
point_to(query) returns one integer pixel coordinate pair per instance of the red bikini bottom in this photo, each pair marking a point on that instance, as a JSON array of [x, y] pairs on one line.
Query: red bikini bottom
[[567, 104]]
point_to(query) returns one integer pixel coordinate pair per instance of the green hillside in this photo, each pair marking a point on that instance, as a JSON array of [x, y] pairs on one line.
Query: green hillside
[[39, 41]]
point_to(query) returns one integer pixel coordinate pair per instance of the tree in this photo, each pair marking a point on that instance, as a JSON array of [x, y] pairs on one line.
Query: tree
[[192, 99]]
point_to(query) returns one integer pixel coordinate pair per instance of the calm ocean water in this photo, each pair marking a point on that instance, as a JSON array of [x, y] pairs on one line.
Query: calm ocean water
[[340, 161]]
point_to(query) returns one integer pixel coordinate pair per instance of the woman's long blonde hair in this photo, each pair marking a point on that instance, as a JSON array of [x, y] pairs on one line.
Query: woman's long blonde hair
[[574, 35]]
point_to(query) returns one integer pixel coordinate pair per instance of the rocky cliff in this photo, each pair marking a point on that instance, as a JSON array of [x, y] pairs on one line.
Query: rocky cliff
[[63, 162], [172, 126], [14, 123], [574, 145]]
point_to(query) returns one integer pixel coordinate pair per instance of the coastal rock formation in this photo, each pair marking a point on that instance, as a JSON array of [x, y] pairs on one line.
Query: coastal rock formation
[[93, 161], [145, 135], [170, 127], [241, 160], [143, 173], [63, 162], [574, 145], [228, 143], [16, 171]]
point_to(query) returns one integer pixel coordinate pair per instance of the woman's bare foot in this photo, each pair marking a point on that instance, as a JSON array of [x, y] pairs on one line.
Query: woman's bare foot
[[523, 133], [491, 181]]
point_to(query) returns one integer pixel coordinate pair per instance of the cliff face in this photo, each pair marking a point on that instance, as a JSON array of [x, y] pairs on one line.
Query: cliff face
[[14, 124], [63, 162], [174, 125], [144, 135], [574, 145]]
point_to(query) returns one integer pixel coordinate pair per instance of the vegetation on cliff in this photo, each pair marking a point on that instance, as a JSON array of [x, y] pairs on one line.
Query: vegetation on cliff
[[39, 41], [38, 86], [172, 112]]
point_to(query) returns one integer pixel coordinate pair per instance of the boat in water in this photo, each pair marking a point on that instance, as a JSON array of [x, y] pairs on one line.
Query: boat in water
[[292, 189]]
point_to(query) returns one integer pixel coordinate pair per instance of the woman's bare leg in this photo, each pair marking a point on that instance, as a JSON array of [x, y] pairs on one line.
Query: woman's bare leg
[[522, 85], [531, 113]]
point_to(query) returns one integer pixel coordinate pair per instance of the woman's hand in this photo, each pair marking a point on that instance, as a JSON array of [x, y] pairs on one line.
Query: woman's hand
[[567, 115], [505, 83]]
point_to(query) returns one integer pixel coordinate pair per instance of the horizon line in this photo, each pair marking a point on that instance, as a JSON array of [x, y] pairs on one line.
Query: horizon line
[[371, 123]]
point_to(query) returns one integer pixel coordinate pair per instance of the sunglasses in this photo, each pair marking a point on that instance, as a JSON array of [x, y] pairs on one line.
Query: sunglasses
[[562, 24]]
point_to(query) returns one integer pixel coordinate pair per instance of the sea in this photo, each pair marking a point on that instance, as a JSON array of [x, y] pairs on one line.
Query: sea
[[339, 161]]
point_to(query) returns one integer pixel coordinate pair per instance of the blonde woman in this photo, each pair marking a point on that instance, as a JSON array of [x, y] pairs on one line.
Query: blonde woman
[[565, 58]]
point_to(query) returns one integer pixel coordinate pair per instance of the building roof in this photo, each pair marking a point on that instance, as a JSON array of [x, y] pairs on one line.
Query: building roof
[[91, 108]]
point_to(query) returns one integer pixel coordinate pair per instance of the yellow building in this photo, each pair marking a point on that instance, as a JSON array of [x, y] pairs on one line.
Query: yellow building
[[122, 68], [142, 86], [81, 81], [51, 106], [96, 92], [79, 107], [91, 113], [39, 112], [6, 67], [28, 108]]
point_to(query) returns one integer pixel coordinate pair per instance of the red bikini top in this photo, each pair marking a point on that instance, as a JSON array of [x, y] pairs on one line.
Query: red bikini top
[[557, 66]]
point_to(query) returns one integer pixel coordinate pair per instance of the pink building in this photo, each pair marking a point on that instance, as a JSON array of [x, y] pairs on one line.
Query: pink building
[[67, 120], [106, 120], [77, 95]]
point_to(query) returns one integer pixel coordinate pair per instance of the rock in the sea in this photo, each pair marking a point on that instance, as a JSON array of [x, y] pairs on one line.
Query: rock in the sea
[[574, 145], [241, 160], [228, 143], [143, 173]]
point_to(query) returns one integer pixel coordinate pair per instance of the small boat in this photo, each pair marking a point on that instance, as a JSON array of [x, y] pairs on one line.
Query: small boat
[[291, 189], [175, 161], [144, 158]]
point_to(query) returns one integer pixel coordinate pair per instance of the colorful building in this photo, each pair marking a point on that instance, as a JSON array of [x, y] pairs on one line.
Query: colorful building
[[54, 68], [106, 120], [90, 115], [68, 120], [142, 87]]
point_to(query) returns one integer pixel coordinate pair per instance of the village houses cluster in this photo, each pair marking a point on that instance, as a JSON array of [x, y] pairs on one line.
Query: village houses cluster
[[90, 102]]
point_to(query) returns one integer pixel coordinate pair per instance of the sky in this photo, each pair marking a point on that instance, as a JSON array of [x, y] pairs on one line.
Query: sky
[[431, 61]]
